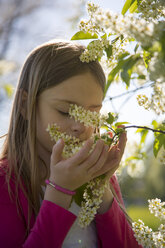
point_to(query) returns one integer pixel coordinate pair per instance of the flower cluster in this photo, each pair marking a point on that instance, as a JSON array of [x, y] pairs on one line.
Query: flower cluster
[[143, 101], [97, 47], [145, 235], [94, 51], [125, 28], [89, 118], [156, 68], [95, 188], [115, 23], [156, 207], [134, 165], [158, 98], [89, 26], [157, 101], [72, 144], [136, 168], [93, 197], [151, 9], [159, 238]]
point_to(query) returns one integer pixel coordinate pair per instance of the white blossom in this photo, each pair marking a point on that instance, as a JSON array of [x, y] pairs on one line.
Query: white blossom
[[89, 118], [96, 187], [92, 199], [157, 208], [145, 235], [157, 100], [143, 101], [131, 26], [151, 9]]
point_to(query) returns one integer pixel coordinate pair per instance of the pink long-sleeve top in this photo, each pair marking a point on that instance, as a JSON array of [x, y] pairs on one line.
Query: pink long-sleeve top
[[53, 222]]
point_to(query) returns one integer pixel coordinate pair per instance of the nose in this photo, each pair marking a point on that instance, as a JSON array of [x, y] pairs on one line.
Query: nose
[[77, 128]]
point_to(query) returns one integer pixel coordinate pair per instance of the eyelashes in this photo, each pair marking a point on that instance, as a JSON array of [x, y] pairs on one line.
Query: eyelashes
[[63, 113]]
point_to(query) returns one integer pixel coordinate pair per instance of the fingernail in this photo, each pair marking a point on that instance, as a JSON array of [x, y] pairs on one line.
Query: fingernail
[[58, 142]]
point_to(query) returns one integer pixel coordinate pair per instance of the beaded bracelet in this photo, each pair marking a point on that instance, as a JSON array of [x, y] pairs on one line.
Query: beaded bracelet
[[59, 188]]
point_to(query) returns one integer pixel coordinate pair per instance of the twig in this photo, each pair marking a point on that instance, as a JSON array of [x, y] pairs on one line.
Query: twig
[[128, 92], [144, 127]]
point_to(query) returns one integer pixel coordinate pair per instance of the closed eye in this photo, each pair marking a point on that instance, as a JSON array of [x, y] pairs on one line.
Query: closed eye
[[63, 113]]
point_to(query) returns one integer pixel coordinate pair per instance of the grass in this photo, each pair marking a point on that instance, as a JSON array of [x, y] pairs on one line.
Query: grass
[[143, 213]]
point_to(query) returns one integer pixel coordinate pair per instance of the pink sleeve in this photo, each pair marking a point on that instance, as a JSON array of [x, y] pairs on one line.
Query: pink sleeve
[[51, 226], [112, 226], [49, 229]]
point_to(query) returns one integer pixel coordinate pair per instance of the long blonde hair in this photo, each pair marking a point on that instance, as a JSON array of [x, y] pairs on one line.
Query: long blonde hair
[[46, 66]]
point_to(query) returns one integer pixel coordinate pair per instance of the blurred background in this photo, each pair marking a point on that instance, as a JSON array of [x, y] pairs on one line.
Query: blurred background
[[24, 24]]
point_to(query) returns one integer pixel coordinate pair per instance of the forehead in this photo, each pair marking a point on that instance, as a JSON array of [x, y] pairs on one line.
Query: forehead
[[82, 89]]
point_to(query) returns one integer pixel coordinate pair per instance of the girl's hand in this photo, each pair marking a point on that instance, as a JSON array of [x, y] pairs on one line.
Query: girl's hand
[[80, 168], [110, 166], [115, 154]]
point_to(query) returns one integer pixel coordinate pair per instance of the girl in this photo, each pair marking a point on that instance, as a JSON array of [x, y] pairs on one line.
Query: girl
[[32, 213]]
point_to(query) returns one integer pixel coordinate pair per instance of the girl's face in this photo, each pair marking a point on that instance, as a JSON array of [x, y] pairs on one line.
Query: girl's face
[[53, 105]]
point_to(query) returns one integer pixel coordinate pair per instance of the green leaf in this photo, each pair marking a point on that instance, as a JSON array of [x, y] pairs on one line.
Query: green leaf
[[108, 51], [141, 77], [128, 67], [125, 77], [133, 7], [136, 48], [119, 130], [132, 158], [144, 133], [112, 75], [121, 123], [83, 35], [110, 118], [121, 37], [158, 143], [155, 124], [146, 57], [123, 55], [9, 89], [126, 6], [131, 39], [105, 127], [104, 36], [124, 65], [78, 197]]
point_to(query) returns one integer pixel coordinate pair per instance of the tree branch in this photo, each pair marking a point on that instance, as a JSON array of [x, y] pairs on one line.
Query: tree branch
[[144, 127], [131, 91]]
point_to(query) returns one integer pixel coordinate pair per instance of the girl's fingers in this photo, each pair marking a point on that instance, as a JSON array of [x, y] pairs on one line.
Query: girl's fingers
[[110, 170], [95, 155], [57, 152], [122, 142], [81, 155], [100, 162], [109, 165], [112, 151]]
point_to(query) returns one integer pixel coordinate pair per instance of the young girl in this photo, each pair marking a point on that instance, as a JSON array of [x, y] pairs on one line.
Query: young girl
[[34, 214]]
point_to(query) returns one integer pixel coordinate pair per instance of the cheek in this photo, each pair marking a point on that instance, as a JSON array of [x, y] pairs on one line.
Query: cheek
[[89, 132]]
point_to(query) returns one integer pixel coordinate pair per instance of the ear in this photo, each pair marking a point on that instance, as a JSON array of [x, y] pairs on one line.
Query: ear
[[23, 102]]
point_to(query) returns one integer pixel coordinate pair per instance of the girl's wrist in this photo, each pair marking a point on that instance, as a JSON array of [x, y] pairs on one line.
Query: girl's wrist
[[59, 188], [57, 197]]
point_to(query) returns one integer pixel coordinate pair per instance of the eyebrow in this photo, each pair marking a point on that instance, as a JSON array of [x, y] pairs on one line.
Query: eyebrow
[[72, 102]]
